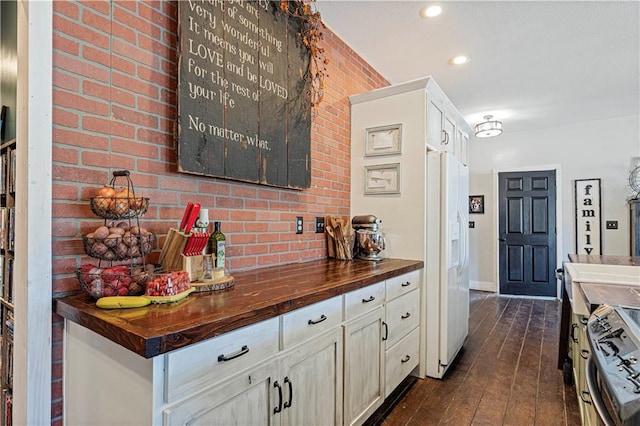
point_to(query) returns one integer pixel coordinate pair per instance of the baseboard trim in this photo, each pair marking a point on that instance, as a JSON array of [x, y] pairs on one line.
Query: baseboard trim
[[483, 286], [389, 403]]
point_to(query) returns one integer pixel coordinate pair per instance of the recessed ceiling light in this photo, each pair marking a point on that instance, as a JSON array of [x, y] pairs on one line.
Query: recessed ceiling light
[[430, 11], [460, 59]]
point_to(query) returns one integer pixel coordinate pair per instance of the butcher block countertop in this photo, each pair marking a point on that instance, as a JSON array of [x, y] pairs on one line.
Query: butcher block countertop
[[605, 260], [610, 294], [257, 295]]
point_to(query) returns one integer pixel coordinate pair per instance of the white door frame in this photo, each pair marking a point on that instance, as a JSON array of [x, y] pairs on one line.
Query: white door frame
[[33, 259], [496, 247]]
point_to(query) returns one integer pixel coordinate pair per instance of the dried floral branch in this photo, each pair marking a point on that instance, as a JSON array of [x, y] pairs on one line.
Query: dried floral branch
[[311, 33]]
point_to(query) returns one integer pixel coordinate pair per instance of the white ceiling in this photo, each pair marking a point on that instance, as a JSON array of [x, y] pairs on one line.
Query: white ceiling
[[533, 64]]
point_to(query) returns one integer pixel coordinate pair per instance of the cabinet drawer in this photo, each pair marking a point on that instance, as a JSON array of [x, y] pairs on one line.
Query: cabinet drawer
[[403, 314], [227, 402], [397, 286], [193, 368], [401, 359], [305, 323], [363, 300]]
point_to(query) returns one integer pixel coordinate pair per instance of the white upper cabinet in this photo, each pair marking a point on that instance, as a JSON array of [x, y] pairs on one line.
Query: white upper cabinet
[[461, 147]]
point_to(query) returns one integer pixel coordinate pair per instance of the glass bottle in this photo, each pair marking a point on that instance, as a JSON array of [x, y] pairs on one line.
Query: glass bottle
[[217, 243]]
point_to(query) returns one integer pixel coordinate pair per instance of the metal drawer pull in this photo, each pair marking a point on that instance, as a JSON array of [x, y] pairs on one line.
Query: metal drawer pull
[[405, 284], [584, 320], [583, 394], [405, 316], [288, 403], [573, 328], [279, 407], [584, 354], [386, 331], [370, 299], [244, 350], [322, 318], [406, 359]]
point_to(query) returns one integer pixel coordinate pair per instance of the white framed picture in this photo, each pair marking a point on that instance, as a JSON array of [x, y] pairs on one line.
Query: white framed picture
[[382, 179], [383, 140]]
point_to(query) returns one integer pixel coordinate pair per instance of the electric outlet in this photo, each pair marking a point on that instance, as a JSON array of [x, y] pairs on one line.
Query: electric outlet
[[299, 224], [472, 224], [612, 224], [319, 225]]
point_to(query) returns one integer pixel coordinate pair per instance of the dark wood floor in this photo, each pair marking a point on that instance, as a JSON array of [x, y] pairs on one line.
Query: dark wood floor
[[505, 374]]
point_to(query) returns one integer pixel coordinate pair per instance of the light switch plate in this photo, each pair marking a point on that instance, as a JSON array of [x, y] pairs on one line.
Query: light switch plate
[[319, 225], [472, 224]]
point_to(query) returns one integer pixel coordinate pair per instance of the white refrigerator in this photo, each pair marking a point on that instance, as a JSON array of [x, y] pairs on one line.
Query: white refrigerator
[[446, 303], [426, 217]]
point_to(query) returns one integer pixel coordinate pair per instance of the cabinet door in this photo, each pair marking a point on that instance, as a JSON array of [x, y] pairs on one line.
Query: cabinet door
[[250, 398], [311, 376], [449, 134], [435, 120], [461, 150], [364, 367]]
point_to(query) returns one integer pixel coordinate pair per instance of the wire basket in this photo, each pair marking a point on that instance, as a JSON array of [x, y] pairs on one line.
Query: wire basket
[[123, 247], [124, 204], [120, 280], [119, 207]]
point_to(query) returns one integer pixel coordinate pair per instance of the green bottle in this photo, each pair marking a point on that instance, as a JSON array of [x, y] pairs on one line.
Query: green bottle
[[217, 243]]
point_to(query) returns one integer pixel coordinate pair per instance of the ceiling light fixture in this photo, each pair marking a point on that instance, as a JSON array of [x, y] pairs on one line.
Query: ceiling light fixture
[[460, 59], [430, 11], [488, 128]]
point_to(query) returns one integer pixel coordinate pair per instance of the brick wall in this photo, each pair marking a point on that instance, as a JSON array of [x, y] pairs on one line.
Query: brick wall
[[114, 96]]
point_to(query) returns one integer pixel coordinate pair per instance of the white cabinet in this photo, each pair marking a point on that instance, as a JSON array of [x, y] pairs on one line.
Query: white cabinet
[[312, 381], [249, 398], [435, 124], [461, 146], [286, 390], [304, 323], [364, 366], [446, 131], [401, 359], [195, 367], [402, 325], [402, 316], [323, 364], [580, 351]]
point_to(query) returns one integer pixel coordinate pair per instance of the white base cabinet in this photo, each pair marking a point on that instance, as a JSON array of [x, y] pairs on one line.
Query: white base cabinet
[[363, 366], [580, 351], [243, 400], [330, 363]]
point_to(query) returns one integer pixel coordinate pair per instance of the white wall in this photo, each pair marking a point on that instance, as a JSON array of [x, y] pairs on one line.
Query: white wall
[[604, 149]]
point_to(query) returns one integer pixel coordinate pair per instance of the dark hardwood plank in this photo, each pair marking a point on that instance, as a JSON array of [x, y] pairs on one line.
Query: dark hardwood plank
[[505, 374]]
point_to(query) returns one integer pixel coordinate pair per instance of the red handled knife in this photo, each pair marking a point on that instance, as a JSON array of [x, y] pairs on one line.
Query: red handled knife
[[185, 216], [193, 215]]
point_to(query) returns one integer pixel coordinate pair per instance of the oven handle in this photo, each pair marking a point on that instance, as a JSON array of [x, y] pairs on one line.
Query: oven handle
[[594, 391]]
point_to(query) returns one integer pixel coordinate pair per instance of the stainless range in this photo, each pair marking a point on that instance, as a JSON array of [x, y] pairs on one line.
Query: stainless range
[[613, 371]]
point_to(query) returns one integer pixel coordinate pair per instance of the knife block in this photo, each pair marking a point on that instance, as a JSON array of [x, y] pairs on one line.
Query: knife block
[[171, 254]]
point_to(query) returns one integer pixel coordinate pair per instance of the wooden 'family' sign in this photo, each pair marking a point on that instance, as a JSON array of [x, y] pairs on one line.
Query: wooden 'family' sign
[[243, 100]]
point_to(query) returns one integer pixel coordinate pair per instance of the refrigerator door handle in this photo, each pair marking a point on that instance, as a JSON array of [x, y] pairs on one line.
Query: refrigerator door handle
[[463, 242]]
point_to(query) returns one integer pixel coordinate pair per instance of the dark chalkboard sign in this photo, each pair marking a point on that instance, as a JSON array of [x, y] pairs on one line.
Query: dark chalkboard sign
[[244, 111]]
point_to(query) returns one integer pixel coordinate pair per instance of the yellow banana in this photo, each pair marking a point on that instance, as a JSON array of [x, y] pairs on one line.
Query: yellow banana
[[116, 302]]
